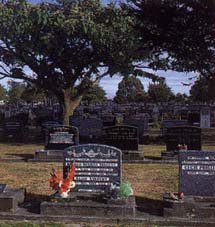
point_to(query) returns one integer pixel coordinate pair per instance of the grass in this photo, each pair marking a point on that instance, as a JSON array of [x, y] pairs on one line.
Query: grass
[[147, 180]]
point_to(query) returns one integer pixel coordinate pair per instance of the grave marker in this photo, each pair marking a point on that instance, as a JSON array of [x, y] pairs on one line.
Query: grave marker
[[197, 173], [123, 137], [97, 167]]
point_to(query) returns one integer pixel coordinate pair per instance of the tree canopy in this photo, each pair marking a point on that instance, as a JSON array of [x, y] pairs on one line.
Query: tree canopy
[[181, 33], [69, 46]]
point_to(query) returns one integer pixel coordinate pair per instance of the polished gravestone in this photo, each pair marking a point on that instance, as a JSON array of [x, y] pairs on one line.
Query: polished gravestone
[[197, 182], [57, 139], [124, 137], [13, 131], [188, 135], [98, 167], [10, 198]]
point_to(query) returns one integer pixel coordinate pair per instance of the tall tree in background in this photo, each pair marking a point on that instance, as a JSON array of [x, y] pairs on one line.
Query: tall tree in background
[[203, 90], [130, 89], [69, 46], [160, 92], [15, 91], [95, 94]]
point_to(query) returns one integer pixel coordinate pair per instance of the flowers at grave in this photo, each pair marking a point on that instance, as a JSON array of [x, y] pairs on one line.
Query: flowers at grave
[[62, 186], [125, 190], [182, 147]]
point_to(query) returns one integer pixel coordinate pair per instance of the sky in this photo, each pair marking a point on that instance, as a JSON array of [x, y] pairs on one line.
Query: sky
[[174, 80]]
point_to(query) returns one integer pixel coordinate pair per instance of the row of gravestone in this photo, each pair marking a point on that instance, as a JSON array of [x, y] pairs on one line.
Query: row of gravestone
[[98, 169]]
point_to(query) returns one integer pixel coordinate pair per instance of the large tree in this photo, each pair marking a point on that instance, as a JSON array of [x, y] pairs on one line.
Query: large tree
[[130, 89], [68, 46], [181, 33]]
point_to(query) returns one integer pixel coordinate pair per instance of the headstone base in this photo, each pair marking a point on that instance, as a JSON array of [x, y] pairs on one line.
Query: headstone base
[[189, 207], [11, 198], [169, 155], [49, 155], [90, 207], [132, 155]]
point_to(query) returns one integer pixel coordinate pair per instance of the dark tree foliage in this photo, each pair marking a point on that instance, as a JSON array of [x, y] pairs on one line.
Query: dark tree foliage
[[203, 90], [180, 33], [130, 89]]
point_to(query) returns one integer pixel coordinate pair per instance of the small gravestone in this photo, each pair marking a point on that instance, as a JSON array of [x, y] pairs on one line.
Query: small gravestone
[[13, 130], [97, 167], [60, 137], [173, 123], [126, 139], [187, 136], [123, 137], [196, 184], [191, 136], [57, 139], [197, 173], [90, 129]]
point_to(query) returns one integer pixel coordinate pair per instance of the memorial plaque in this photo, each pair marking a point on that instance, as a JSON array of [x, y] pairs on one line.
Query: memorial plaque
[[2, 187], [197, 173], [97, 167], [173, 123], [123, 137], [191, 136], [60, 137]]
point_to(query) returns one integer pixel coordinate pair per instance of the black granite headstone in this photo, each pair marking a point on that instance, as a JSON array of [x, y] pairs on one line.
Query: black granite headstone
[[14, 130], [97, 167], [61, 137], [123, 137], [191, 136], [197, 173]]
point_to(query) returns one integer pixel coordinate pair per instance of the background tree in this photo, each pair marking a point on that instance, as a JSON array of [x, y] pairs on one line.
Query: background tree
[[160, 92], [68, 45], [181, 33], [15, 91], [95, 94], [130, 89], [203, 90], [181, 98]]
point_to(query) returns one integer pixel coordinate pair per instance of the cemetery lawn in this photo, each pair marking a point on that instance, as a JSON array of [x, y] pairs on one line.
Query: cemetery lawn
[[148, 180]]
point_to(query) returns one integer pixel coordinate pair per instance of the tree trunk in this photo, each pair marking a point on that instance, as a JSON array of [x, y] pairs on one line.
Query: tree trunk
[[69, 105]]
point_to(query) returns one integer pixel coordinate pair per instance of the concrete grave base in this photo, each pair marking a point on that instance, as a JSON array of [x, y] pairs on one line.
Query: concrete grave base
[[189, 207], [49, 156], [169, 155], [132, 155], [10, 199], [113, 208]]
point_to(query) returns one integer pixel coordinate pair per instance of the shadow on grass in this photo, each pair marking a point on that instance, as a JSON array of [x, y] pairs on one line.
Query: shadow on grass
[[25, 157], [33, 201], [150, 206], [153, 157]]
